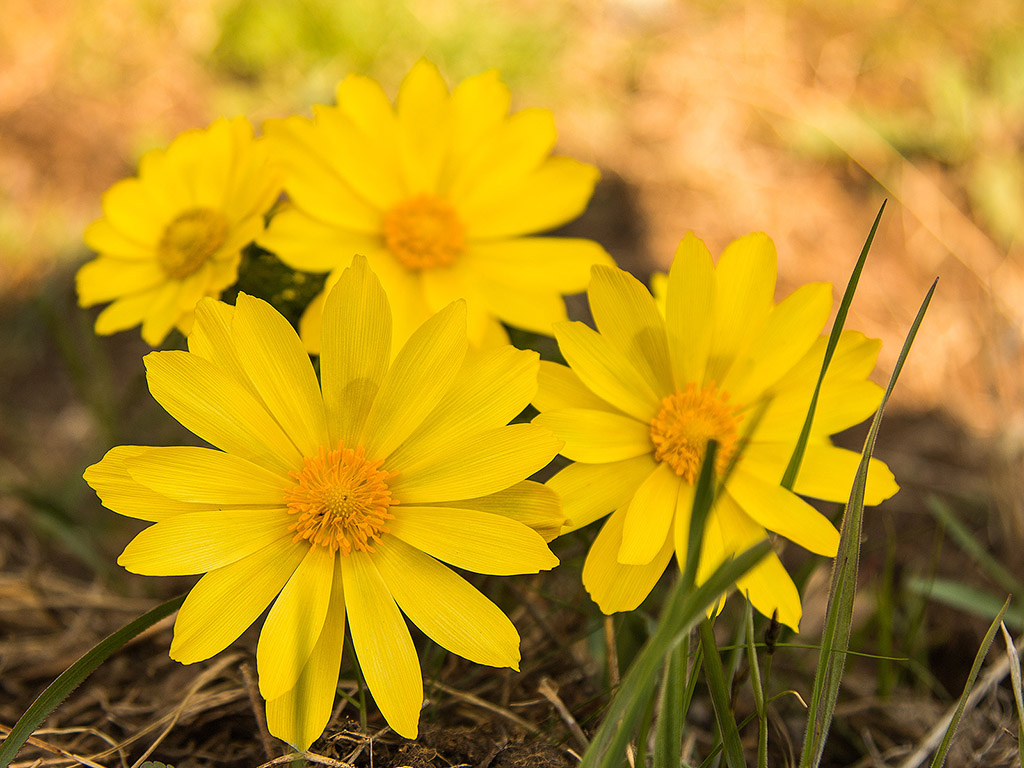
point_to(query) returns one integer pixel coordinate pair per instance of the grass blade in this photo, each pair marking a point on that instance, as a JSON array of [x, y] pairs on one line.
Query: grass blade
[[970, 545], [668, 736], [758, 687], [1013, 656], [74, 675], [793, 468], [719, 691], [835, 639], [963, 597]]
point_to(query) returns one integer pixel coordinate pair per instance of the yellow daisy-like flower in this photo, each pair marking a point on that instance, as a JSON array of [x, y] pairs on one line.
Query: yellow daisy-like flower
[[175, 233], [437, 192], [338, 500], [642, 398]]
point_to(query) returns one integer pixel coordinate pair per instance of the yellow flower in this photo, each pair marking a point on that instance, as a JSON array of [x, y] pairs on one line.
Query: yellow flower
[[437, 192], [338, 500], [642, 398], [175, 233]]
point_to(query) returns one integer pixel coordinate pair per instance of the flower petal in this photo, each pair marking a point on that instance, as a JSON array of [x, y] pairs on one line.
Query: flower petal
[[689, 300], [102, 237], [591, 491], [304, 242], [275, 360], [417, 380], [222, 604], [386, 654], [356, 333], [479, 105], [127, 311], [476, 465], [605, 371], [597, 437], [556, 264], [558, 386], [649, 516], [105, 279], [784, 512], [197, 542], [445, 607], [294, 623], [532, 504], [218, 409], [300, 715], [612, 585], [475, 541], [530, 309], [424, 120]]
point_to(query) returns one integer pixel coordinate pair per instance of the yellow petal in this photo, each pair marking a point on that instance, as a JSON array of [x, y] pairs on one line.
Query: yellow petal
[[529, 503], [591, 491], [605, 371], [612, 585], [223, 603], [356, 334], [475, 541], [104, 279], [207, 476], [125, 496], [597, 437], [445, 607], [300, 715], [386, 654], [552, 195], [555, 264], [688, 303], [210, 339], [364, 102], [294, 623], [127, 206], [526, 308], [424, 120], [649, 517], [625, 314], [782, 511], [475, 465], [558, 387], [197, 542], [422, 372], [479, 105], [275, 360], [102, 237], [127, 311], [218, 409], [307, 243]]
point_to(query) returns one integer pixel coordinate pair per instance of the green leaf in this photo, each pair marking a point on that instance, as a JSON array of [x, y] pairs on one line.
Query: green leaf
[[74, 675], [719, 690], [1013, 657], [964, 597], [835, 638], [978, 551]]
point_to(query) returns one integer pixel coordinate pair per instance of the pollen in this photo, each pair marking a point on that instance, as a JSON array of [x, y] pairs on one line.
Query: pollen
[[423, 232], [189, 240], [340, 500], [687, 421]]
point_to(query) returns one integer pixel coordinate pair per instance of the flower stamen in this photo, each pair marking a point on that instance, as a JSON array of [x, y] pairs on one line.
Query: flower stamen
[[423, 232], [341, 500], [687, 421], [189, 240]]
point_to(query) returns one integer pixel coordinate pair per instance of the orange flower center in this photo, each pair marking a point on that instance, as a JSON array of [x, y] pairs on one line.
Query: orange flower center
[[688, 419], [423, 232], [341, 500], [189, 240]]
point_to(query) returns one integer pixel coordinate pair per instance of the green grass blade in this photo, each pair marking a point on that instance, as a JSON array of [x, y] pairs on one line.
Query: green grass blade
[[758, 688], [74, 675], [668, 735], [835, 638], [986, 643], [793, 468], [1013, 657], [970, 545], [719, 690], [963, 597]]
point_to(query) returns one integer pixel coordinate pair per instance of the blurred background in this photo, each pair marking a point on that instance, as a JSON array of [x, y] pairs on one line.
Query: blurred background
[[795, 117]]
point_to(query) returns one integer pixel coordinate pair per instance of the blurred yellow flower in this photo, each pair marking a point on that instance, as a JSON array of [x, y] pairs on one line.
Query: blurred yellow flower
[[437, 192], [338, 500], [174, 234], [642, 398]]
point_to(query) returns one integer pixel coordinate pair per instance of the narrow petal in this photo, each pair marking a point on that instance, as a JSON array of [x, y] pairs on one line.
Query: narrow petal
[[555, 193], [597, 437], [558, 387], [102, 237], [210, 339], [612, 585], [364, 102], [207, 476], [532, 504], [479, 105], [294, 623], [356, 349], [386, 654], [420, 375], [275, 360], [424, 118], [305, 242], [529, 308], [626, 315], [493, 387], [300, 715], [475, 541], [784, 512], [649, 517], [688, 303], [744, 292], [605, 371], [126, 312], [223, 603], [445, 607], [197, 542], [126, 205], [591, 491], [126, 496], [476, 465], [555, 264], [218, 409], [105, 279]]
